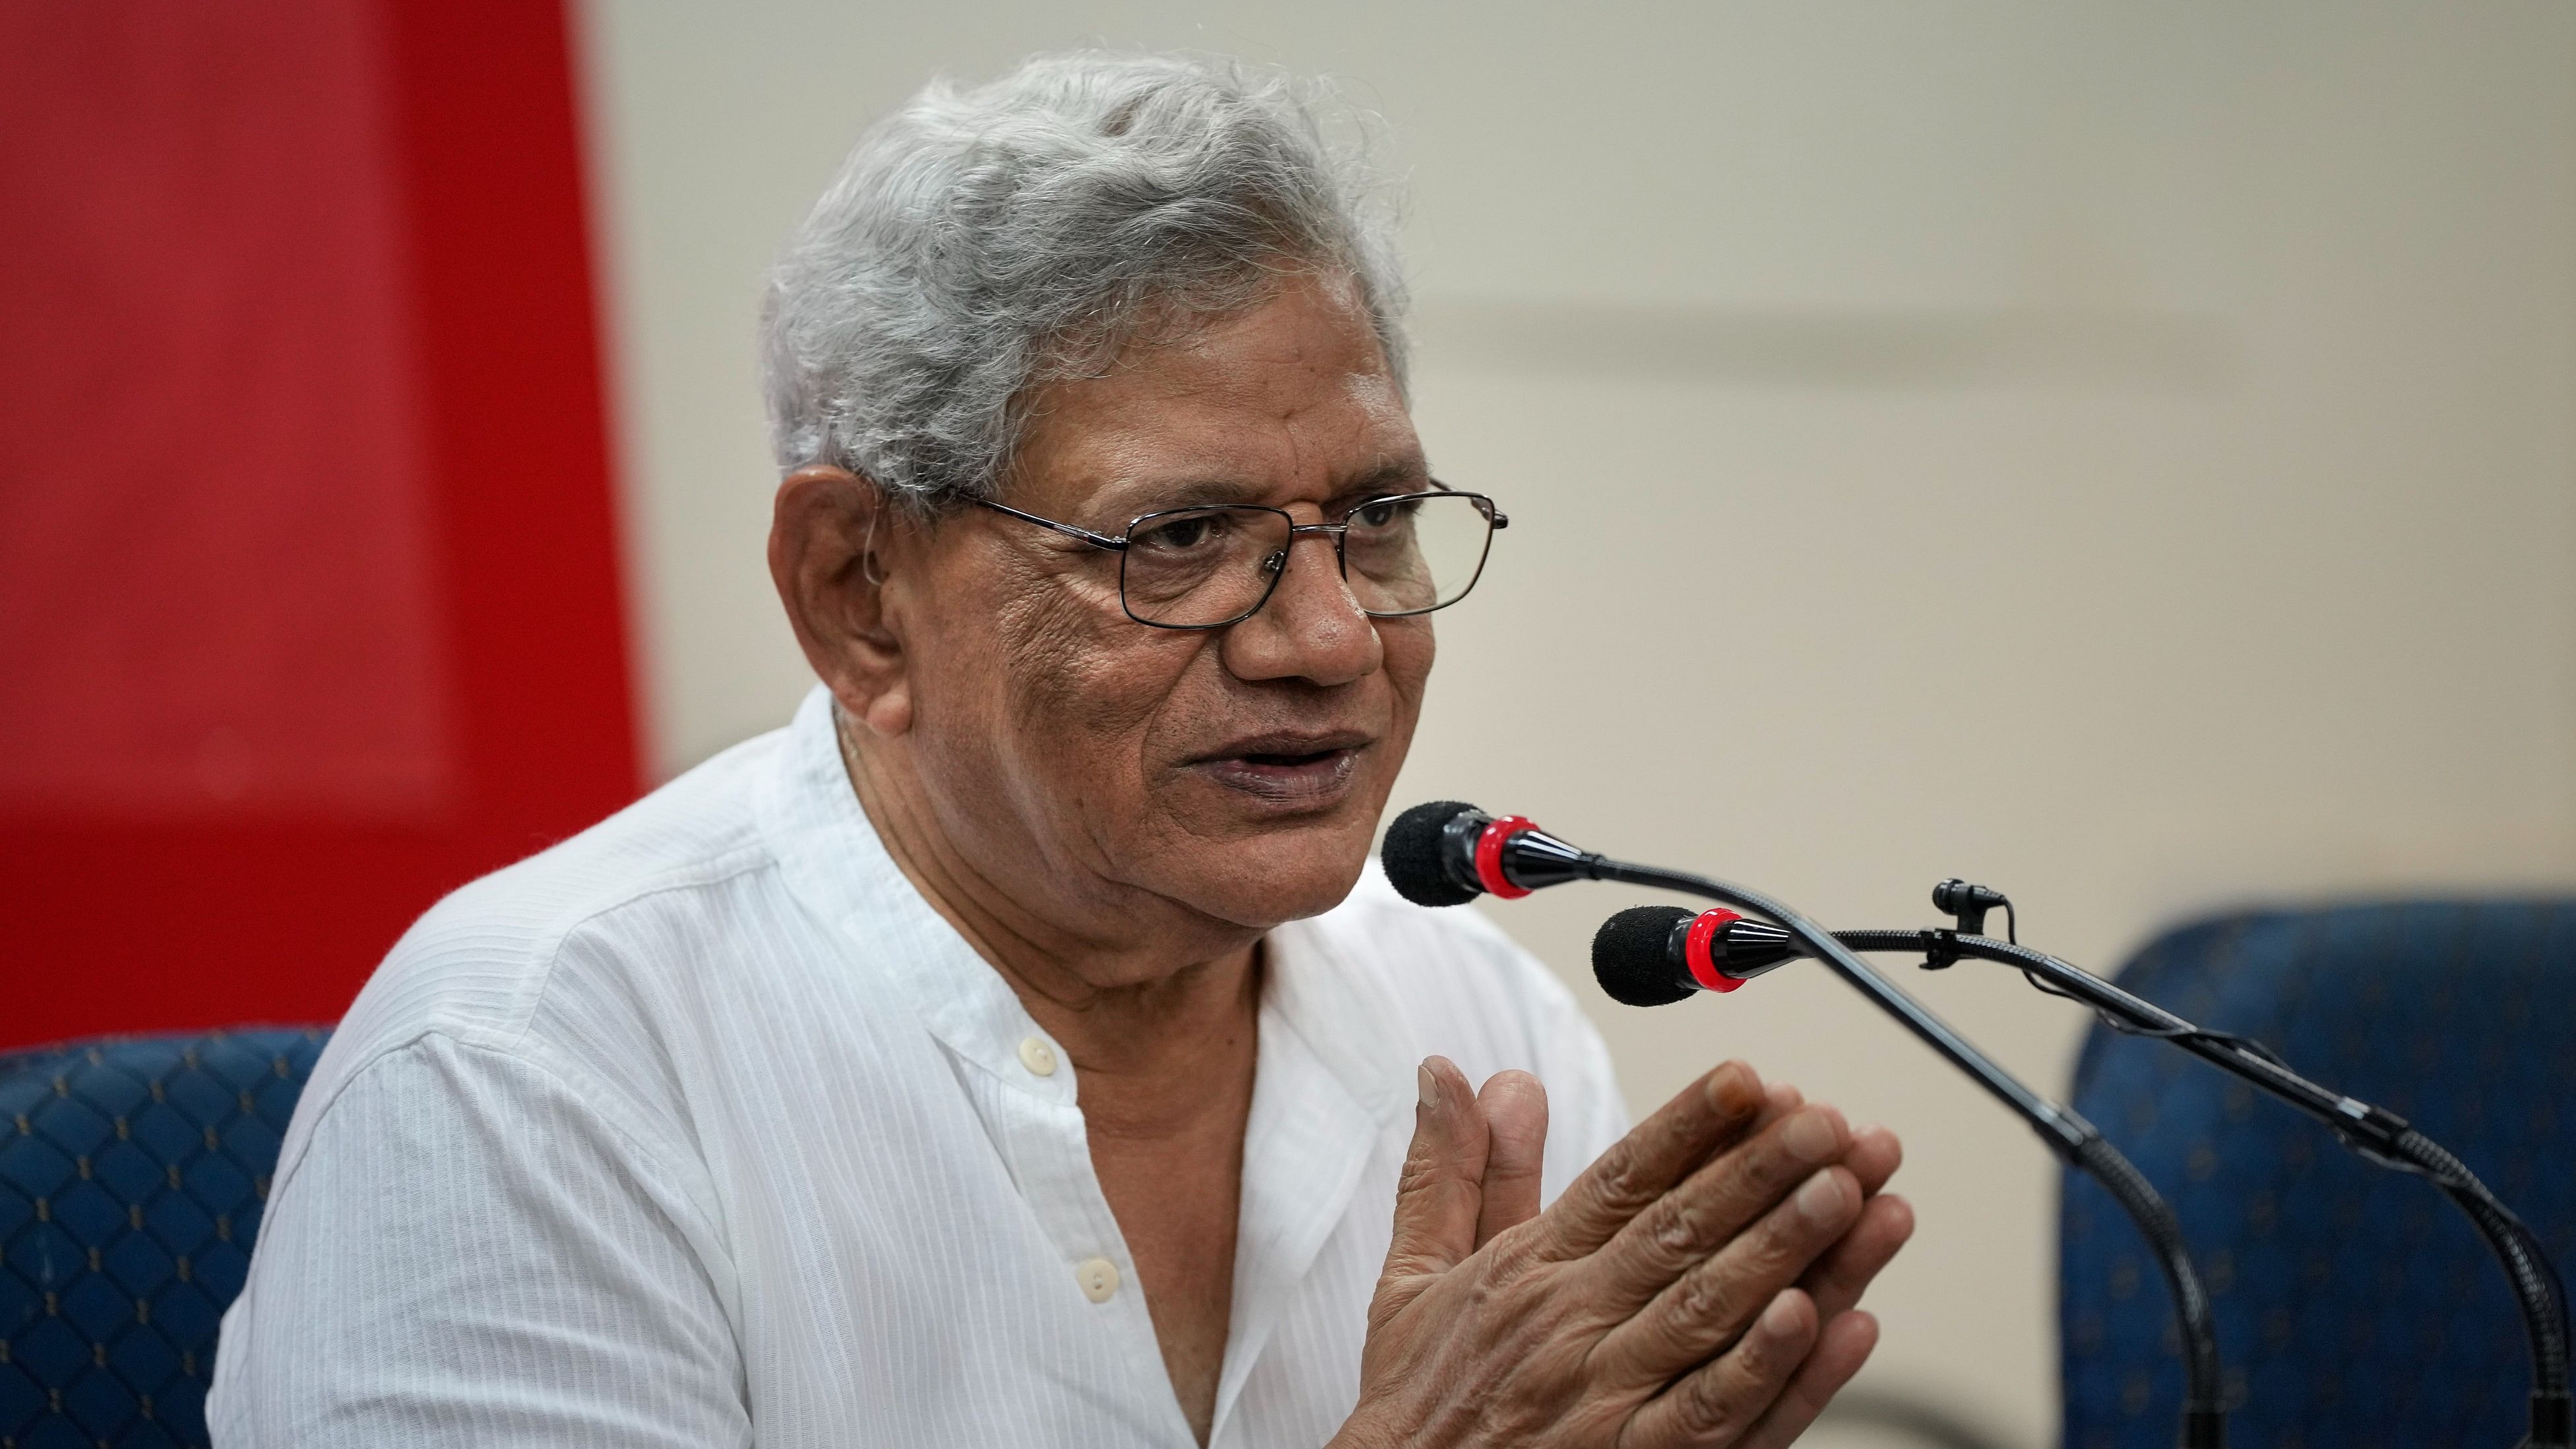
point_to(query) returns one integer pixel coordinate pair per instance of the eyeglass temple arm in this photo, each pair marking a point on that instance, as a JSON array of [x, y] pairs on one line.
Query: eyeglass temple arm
[[1096, 540]]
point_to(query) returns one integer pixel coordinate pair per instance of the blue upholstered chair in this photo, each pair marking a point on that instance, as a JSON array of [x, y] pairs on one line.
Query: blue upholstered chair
[[2356, 1307], [132, 1173]]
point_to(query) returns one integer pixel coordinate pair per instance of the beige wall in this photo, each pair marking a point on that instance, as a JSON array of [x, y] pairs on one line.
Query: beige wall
[[2121, 453]]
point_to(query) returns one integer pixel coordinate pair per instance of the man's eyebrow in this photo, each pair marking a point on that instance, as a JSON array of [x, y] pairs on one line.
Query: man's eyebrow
[[1410, 476], [1130, 498], [1134, 497]]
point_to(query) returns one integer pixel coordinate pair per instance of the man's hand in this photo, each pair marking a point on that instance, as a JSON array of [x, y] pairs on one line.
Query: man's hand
[[1695, 1287]]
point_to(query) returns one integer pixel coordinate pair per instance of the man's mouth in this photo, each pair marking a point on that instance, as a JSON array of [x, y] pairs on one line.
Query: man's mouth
[[1287, 769]]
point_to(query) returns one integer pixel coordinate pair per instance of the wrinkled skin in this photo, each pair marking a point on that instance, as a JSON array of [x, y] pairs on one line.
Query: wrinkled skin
[[1696, 1286], [1071, 763], [1114, 814]]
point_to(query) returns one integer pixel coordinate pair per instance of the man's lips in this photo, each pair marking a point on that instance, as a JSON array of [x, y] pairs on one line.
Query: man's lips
[[1286, 745], [1286, 767]]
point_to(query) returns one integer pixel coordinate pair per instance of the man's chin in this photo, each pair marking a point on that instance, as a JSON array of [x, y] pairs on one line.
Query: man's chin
[[1286, 873]]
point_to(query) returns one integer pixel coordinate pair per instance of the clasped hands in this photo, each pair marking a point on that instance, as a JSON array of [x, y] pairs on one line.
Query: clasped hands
[[1694, 1288]]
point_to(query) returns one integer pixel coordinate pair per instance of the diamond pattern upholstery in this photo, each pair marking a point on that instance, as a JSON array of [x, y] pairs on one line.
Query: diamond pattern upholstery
[[2356, 1307], [132, 1174]]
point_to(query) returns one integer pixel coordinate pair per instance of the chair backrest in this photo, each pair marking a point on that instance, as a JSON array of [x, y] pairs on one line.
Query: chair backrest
[[2356, 1307], [132, 1174]]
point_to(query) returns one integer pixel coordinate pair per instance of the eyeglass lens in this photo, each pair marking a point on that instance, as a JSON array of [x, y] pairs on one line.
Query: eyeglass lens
[[1206, 566]]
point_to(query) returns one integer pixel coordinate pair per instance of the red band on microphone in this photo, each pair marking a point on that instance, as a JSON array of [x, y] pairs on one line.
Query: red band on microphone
[[1489, 856], [1697, 956]]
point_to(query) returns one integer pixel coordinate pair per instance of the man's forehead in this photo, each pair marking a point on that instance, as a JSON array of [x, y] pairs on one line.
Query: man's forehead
[[1305, 345], [1137, 450]]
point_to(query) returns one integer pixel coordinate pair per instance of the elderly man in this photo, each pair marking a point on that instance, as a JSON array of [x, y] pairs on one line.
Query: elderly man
[[1012, 1050]]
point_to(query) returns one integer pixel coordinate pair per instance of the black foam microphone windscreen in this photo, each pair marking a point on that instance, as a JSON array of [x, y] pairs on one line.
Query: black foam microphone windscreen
[[1632, 957], [1411, 855]]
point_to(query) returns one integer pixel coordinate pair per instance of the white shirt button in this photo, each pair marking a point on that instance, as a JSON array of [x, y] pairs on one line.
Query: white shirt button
[[1098, 1277], [1037, 1056]]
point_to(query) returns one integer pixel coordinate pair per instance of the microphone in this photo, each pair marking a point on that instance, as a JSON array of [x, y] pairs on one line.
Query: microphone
[[1448, 852], [1657, 955]]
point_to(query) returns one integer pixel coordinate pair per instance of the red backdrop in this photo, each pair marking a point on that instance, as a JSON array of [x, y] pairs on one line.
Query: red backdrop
[[309, 598]]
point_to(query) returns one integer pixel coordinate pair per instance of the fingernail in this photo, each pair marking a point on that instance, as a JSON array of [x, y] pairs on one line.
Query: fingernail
[[1781, 1318], [1809, 1137], [1430, 1089], [1726, 1090], [1821, 1200]]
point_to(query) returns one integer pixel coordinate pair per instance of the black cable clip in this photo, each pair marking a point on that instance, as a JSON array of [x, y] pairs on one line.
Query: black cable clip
[[1940, 950], [1968, 904]]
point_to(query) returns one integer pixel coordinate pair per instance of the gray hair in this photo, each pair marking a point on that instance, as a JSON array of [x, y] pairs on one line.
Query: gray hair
[[978, 242]]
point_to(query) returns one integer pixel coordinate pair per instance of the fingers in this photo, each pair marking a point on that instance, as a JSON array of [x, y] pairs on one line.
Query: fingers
[[1875, 1152], [1720, 1402], [1439, 1195], [1707, 1307], [1837, 1280], [1874, 1157], [1514, 1107], [1779, 1099], [1642, 1166], [1839, 1353], [1695, 1219]]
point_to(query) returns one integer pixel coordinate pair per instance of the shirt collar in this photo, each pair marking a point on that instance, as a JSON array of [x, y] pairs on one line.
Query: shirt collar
[[835, 862]]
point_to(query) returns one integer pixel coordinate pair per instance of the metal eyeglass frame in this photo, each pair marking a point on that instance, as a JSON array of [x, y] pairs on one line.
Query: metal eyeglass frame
[[1495, 519]]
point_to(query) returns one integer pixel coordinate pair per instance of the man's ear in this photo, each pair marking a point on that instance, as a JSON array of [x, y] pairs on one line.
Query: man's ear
[[832, 553]]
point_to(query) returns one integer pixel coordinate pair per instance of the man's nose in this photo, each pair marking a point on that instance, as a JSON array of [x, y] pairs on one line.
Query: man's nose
[[1312, 627]]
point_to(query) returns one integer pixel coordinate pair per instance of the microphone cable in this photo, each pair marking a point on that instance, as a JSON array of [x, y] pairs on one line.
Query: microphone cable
[[2375, 1134], [2204, 1423], [1446, 853]]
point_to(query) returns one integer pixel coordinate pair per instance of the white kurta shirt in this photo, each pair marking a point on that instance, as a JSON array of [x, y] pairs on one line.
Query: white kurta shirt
[[703, 1128]]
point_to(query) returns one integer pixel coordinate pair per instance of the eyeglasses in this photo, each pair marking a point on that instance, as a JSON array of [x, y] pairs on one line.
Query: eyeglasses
[[1205, 568]]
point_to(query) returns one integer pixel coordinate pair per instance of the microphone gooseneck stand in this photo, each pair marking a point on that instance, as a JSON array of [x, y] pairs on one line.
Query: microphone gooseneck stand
[[2376, 1134], [1534, 858]]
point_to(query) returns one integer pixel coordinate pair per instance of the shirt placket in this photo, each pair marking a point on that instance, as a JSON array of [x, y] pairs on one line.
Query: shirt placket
[[1031, 1109], [1308, 1140]]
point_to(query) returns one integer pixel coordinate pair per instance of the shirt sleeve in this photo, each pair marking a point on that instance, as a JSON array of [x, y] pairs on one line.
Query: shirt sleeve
[[467, 1253]]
